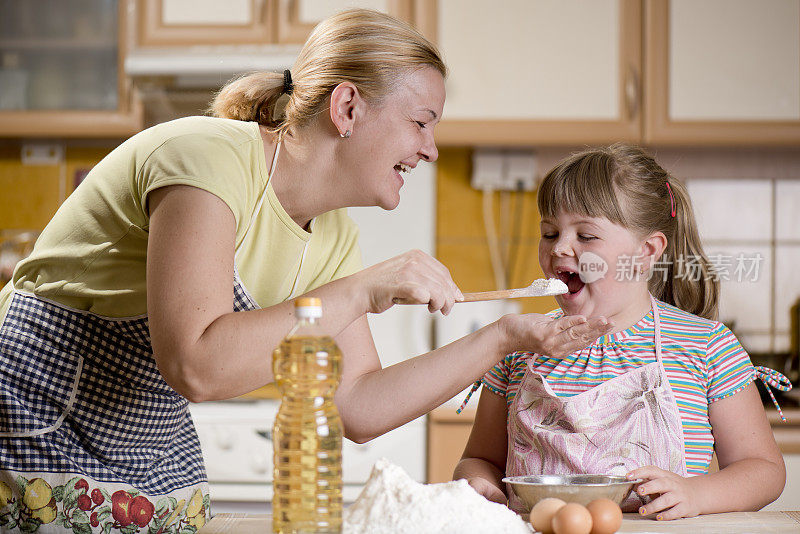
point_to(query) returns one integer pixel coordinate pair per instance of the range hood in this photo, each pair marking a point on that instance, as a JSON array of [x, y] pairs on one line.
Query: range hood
[[206, 66]]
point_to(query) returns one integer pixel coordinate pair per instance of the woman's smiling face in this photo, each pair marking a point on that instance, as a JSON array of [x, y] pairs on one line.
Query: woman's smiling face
[[395, 135], [576, 249]]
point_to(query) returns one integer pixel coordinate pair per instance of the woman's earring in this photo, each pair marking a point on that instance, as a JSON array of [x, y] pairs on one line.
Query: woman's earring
[[346, 134]]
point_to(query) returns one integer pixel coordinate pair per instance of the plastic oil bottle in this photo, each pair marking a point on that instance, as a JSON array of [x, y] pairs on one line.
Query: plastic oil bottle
[[307, 436]]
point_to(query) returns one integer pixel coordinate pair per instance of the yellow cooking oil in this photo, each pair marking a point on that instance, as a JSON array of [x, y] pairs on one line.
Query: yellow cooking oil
[[307, 436]]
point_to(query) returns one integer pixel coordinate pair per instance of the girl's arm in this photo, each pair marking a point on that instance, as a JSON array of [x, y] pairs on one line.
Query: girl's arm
[[483, 463], [752, 473]]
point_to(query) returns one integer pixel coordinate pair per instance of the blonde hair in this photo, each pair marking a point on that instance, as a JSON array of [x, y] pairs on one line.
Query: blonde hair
[[625, 185], [368, 48]]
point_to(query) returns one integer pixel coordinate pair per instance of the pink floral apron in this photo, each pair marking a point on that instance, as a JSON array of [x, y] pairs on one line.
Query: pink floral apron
[[626, 422]]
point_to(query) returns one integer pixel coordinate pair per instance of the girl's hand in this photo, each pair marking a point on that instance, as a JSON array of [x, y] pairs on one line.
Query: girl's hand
[[413, 276], [673, 496], [552, 337], [488, 490]]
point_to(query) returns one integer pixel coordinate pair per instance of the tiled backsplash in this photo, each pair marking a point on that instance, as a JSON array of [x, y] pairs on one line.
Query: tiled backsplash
[[752, 229]]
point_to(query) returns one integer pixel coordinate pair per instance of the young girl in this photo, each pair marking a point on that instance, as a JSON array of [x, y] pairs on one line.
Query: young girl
[[656, 397]]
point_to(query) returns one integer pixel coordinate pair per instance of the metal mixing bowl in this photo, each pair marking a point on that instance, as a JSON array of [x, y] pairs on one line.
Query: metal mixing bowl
[[582, 489]]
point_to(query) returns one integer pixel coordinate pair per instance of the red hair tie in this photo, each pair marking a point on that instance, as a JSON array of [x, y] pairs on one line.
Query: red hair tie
[[671, 199]]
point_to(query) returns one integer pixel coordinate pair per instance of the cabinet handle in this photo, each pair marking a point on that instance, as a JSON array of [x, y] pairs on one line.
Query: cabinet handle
[[266, 434], [632, 92]]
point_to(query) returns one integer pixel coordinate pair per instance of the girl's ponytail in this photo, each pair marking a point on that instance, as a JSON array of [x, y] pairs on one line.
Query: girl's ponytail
[[690, 282]]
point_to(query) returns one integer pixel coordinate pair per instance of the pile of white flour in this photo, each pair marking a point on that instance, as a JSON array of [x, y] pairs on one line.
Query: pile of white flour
[[391, 502]]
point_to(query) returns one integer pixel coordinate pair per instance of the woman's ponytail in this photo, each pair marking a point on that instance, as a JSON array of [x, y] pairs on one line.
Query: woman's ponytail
[[251, 97], [690, 282]]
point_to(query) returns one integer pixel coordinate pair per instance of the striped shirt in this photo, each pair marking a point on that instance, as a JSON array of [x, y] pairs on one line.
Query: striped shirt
[[703, 360]]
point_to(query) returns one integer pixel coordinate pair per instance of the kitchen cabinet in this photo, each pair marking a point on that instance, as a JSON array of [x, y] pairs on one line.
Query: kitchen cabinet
[[190, 22], [60, 70], [298, 17], [540, 72], [448, 433], [722, 72], [660, 72], [247, 22]]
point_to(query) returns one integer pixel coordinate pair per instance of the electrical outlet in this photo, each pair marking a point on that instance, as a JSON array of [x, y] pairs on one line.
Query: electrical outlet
[[487, 169], [504, 170], [520, 171], [42, 154]]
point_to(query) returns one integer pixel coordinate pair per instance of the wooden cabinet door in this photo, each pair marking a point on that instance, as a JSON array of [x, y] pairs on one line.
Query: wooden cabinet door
[[205, 22], [722, 72], [296, 18], [448, 433], [540, 71]]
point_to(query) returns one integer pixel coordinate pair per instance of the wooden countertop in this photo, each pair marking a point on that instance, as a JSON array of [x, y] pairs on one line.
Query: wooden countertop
[[729, 523]]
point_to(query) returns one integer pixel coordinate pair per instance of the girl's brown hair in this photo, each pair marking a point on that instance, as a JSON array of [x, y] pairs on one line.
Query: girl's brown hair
[[625, 185], [368, 48]]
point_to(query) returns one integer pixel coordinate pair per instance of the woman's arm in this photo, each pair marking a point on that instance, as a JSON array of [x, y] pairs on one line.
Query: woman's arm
[[373, 400], [483, 463], [752, 473], [205, 351]]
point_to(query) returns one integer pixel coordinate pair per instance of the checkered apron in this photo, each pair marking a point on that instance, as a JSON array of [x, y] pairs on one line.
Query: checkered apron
[[92, 438], [90, 433]]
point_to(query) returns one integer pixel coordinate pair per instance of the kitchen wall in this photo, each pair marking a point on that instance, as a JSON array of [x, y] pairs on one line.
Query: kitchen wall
[[32, 190], [461, 241], [744, 201]]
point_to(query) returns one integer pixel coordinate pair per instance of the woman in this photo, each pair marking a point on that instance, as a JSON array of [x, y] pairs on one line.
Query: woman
[[169, 275]]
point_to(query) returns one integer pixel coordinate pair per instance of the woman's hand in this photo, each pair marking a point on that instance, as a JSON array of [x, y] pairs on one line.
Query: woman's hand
[[412, 276], [552, 337], [488, 490], [673, 496]]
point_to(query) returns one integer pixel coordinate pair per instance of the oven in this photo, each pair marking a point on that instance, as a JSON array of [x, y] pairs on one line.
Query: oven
[[236, 438]]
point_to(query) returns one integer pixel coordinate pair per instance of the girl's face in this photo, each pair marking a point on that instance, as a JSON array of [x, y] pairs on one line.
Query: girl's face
[[392, 138], [599, 261]]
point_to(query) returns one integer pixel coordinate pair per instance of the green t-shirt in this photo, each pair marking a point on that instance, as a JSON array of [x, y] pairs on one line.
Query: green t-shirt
[[92, 255]]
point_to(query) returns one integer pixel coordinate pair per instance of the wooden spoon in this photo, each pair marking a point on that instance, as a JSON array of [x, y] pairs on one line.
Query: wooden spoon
[[543, 287]]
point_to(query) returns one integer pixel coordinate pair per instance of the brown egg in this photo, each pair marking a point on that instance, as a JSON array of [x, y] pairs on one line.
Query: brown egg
[[542, 514], [606, 516], [572, 518]]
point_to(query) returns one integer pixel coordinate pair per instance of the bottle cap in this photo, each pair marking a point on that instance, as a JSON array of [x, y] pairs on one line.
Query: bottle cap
[[307, 301], [308, 307]]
